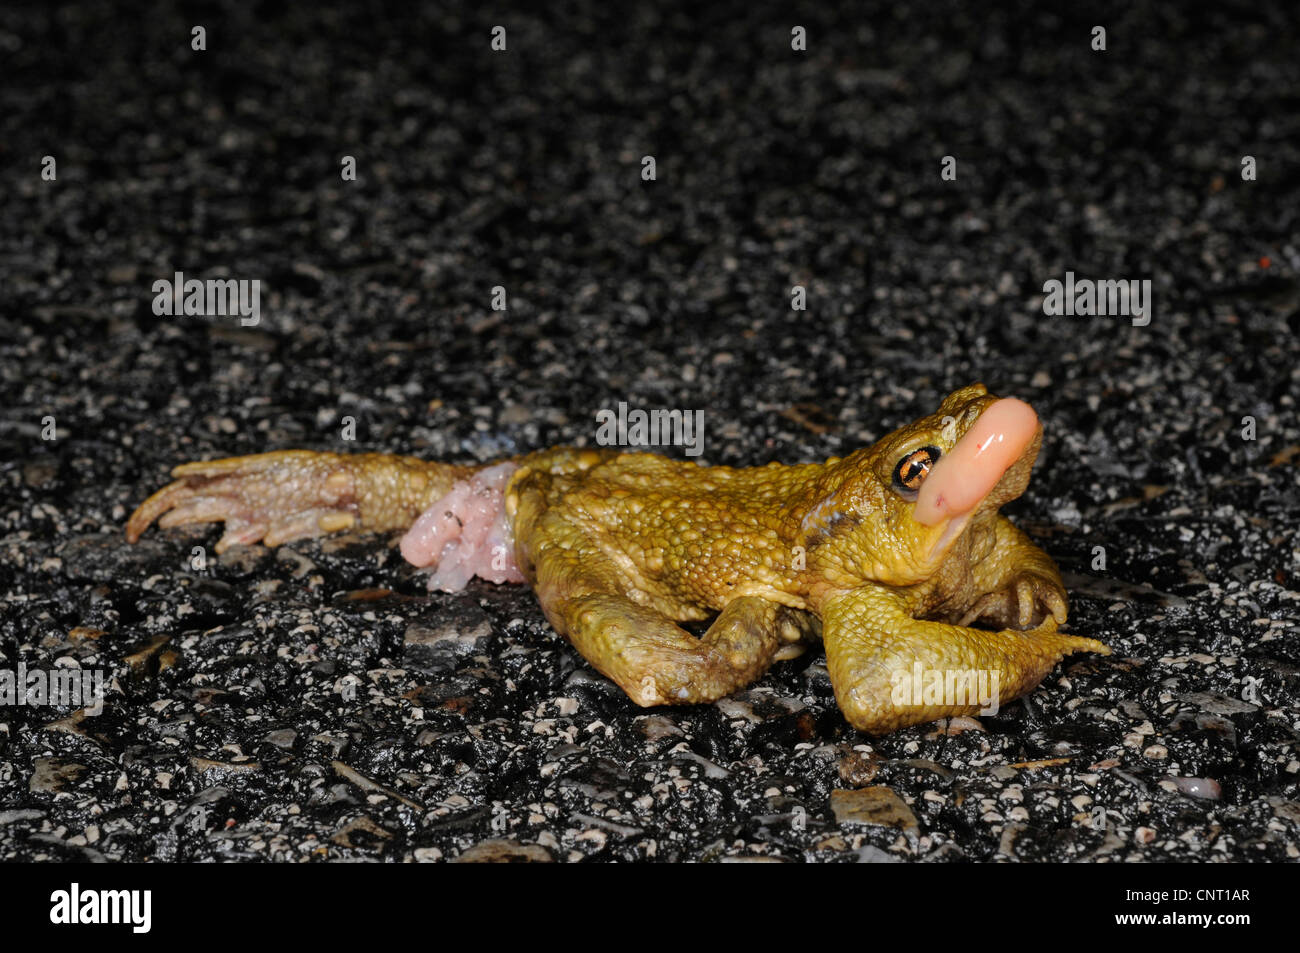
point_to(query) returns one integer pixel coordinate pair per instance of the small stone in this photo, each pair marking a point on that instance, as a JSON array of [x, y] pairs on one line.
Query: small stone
[[54, 774], [1217, 704], [281, 738], [368, 832], [658, 727], [460, 630], [1205, 788], [21, 814], [504, 852], [877, 805], [756, 707], [858, 769], [871, 854], [515, 415]]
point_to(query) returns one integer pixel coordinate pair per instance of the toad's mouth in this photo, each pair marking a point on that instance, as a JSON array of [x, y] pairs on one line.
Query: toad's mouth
[[963, 478]]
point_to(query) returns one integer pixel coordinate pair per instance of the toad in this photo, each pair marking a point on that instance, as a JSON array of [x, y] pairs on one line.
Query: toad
[[894, 556]]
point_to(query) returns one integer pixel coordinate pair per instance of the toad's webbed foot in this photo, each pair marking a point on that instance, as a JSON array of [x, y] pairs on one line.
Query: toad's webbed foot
[[296, 494], [890, 670], [1020, 582], [1027, 599]]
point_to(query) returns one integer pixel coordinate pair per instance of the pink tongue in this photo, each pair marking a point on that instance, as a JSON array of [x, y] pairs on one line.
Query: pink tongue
[[967, 474]]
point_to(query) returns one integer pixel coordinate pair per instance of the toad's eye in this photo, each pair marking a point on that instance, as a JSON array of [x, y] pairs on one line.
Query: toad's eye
[[912, 471]]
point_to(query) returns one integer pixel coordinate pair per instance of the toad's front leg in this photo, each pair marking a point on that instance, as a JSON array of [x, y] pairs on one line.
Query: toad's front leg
[[1020, 583], [890, 670]]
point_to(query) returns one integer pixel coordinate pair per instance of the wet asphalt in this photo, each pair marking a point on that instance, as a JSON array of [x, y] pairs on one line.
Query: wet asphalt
[[314, 702]]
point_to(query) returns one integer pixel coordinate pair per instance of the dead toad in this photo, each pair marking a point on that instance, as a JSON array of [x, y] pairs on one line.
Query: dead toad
[[888, 555]]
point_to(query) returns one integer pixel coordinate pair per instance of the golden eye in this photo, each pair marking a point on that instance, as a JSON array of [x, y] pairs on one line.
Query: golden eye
[[912, 471]]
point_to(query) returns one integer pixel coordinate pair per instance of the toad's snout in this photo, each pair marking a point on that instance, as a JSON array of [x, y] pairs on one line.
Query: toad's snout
[[968, 473]]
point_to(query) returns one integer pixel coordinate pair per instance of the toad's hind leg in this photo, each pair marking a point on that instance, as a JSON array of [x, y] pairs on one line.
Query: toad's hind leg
[[295, 494], [657, 662], [653, 659], [594, 593]]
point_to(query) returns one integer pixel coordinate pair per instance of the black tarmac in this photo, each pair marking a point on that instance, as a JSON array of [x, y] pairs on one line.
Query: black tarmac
[[316, 703]]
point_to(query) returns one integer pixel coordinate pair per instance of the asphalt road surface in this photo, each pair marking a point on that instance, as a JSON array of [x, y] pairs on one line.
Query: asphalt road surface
[[315, 702]]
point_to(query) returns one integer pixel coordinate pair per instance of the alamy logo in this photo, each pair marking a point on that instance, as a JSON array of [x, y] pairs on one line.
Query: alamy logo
[[1128, 297], [103, 906], [58, 688], [946, 687], [655, 428], [216, 296]]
